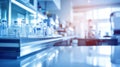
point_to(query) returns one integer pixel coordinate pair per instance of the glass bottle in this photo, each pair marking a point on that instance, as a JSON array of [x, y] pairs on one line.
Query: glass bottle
[[4, 28]]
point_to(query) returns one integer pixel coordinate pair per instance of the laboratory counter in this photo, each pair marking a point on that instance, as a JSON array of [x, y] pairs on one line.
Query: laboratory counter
[[71, 56], [19, 47], [97, 41]]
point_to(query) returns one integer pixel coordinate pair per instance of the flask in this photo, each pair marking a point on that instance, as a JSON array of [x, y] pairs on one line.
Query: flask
[[4, 28]]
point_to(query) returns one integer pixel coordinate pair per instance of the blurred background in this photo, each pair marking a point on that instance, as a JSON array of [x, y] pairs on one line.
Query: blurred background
[[59, 33]]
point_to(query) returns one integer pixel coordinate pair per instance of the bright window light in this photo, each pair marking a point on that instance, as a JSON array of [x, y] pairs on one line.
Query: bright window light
[[104, 27]]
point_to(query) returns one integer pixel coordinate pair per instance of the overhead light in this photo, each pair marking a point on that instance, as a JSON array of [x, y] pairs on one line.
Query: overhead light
[[23, 6]]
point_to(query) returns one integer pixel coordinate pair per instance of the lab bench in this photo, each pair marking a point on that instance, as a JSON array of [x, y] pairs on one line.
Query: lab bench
[[20, 47], [97, 41]]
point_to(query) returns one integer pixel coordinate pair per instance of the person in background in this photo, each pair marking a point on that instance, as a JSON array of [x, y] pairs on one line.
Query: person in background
[[70, 29], [61, 30], [91, 31]]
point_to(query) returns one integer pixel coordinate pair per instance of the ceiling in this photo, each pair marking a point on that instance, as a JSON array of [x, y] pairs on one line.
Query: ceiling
[[86, 4]]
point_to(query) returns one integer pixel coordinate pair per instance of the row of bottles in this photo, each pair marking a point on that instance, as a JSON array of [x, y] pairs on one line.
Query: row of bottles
[[23, 21], [46, 27]]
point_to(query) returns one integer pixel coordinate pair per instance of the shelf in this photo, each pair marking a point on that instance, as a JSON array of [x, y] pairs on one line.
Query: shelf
[[31, 10]]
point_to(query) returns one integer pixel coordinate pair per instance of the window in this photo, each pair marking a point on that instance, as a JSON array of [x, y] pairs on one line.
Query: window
[[104, 28], [101, 16]]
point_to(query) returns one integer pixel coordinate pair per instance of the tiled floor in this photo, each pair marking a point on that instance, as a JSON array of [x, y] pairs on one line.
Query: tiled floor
[[71, 56]]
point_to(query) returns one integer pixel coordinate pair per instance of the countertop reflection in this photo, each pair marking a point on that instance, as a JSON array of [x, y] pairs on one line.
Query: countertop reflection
[[71, 56]]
